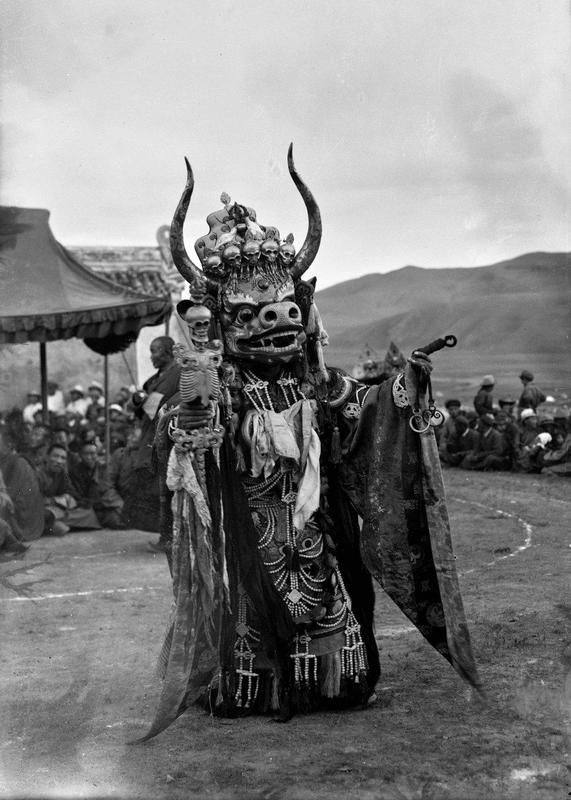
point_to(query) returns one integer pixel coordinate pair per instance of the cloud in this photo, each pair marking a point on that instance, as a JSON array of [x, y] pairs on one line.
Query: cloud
[[505, 168]]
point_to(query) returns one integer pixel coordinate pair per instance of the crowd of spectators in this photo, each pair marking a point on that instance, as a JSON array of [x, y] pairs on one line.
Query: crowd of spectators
[[81, 466], [55, 475], [512, 435]]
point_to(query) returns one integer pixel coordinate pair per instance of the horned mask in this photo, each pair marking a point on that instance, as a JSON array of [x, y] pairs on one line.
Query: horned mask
[[252, 276]]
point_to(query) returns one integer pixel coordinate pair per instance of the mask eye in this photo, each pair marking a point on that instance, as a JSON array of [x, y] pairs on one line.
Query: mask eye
[[245, 315]]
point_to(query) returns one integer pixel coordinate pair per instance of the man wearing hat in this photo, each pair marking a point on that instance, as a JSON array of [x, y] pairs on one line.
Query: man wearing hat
[[532, 443], [483, 402], [448, 431], [78, 402], [507, 405], [531, 396]]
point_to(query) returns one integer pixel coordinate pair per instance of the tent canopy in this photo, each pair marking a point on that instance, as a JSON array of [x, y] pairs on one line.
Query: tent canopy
[[46, 294]]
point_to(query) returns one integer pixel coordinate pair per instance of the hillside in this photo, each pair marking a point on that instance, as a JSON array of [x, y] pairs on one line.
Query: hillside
[[521, 306], [506, 316]]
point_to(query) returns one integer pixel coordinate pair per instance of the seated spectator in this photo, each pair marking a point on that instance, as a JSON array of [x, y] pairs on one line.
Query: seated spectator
[[557, 458], [62, 511], [490, 443], [37, 444], [122, 474], [507, 404], [459, 442], [123, 396], [93, 490], [33, 404], [21, 506], [96, 406], [78, 402], [118, 426], [483, 402], [531, 447], [61, 435], [509, 429]]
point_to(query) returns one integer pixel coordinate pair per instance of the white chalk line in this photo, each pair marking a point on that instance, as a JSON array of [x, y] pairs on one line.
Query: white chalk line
[[393, 632], [388, 632], [86, 593], [527, 527]]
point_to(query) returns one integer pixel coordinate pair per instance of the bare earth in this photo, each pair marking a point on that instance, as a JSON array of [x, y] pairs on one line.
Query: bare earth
[[82, 622]]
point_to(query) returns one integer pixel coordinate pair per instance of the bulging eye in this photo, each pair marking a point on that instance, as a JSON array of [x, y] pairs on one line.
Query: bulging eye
[[245, 315]]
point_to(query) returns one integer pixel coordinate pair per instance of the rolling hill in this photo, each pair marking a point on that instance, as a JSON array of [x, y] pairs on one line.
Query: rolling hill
[[518, 309], [506, 316]]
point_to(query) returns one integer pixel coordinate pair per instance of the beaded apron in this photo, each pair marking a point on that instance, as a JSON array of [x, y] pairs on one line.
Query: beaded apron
[[303, 567]]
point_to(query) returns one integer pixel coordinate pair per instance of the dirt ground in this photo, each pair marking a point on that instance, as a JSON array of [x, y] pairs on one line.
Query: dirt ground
[[82, 619]]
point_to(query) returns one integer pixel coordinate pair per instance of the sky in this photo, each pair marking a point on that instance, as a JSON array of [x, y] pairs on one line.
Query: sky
[[431, 132]]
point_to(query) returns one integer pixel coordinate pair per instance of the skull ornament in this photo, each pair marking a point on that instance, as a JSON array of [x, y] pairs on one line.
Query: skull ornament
[[251, 252], [198, 320], [287, 254], [270, 249], [231, 256]]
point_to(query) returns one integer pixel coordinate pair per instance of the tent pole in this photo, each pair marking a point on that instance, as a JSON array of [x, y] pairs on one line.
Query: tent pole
[[44, 380], [107, 431]]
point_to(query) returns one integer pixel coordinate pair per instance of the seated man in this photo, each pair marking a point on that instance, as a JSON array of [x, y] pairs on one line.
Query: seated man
[[490, 443], [458, 443], [21, 512], [93, 490], [122, 474], [531, 451], [62, 512]]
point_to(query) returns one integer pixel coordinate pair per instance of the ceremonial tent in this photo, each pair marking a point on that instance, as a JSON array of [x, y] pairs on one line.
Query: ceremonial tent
[[47, 294]]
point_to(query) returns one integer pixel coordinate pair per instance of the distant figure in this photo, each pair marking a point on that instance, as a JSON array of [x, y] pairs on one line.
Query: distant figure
[[462, 441], [33, 404], [56, 402], [509, 429], [62, 512], [96, 407], [483, 402], [447, 431], [507, 404], [118, 426], [532, 443], [78, 402], [531, 396], [490, 443], [160, 391], [21, 505], [557, 460], [122, 474]]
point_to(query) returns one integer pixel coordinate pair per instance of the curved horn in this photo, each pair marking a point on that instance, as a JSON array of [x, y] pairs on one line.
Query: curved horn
[[309, 248], [187, 269]]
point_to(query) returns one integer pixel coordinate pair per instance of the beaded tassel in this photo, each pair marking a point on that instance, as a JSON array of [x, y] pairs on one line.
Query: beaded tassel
[[353, 661], [308, 671], [247, 678]]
